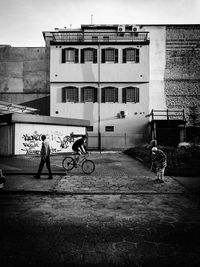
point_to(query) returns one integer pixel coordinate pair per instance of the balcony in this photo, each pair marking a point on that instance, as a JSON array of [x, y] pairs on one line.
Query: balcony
[[99, 37]]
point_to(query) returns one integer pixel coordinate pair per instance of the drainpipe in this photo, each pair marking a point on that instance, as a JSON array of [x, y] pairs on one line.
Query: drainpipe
[[99, 100]]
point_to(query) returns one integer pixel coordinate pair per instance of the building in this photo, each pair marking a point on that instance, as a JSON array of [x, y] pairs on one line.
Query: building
[[101, 74], [111, 75]]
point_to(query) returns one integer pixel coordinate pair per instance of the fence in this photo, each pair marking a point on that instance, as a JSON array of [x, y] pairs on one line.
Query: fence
[[168, 114]]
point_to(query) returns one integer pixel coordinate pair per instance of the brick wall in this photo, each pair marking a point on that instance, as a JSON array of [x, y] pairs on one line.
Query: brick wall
[[182, 73]]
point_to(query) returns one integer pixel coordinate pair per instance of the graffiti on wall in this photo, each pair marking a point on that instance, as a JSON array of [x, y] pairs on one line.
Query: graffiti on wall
[[32, 142], [60, 139]]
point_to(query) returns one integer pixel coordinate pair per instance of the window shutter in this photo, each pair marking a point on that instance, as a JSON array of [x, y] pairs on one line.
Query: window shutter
[[95, 95], [76, 55], [63, 56], [63, 95], [76, 90], [116, 55], [103, 95], [116, 94], [82, 56], [124, 56], [82, 94], [95, 56], [137, 58], [123, 95], [136, 95], [102, 55]]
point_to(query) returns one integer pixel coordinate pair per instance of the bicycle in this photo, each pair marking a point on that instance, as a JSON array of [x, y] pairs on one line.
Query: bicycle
[[86, 165]]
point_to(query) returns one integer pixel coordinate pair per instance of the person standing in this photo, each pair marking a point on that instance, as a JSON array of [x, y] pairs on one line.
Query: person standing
[[45, 158], [160, 160]]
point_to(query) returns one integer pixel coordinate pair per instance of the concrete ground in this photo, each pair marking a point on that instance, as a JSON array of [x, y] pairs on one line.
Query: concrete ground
[[117, 216]]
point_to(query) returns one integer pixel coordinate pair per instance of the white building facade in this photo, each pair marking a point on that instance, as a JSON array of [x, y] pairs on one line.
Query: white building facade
[[110, 75]]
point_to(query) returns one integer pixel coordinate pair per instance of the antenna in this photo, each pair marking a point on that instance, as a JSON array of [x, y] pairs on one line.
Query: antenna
[[91, 18]]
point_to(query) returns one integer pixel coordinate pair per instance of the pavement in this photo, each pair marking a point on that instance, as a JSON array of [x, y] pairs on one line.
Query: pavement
[[115, 173], [118, 216]]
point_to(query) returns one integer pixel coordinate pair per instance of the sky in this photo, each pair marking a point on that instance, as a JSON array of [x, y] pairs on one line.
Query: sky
[[23, 21]]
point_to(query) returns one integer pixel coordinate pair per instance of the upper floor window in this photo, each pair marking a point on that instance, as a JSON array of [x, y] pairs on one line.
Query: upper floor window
[[109, 55], [131, 55], [109, 94], [70, 94], [89, 94], [89, 55], [130, 94], [70, 55]]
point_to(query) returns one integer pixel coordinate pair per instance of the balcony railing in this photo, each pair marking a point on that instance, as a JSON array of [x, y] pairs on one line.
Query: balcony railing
[[99, 37], [167, 114]]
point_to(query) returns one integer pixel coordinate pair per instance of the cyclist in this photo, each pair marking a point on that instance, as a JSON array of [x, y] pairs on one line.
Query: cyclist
[[79, 146]]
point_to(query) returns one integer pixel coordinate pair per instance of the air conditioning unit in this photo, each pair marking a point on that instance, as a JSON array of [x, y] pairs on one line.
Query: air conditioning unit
[[134, 28], [121, 28]]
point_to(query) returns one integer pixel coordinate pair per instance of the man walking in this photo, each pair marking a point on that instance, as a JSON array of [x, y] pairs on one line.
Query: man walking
[[45, 158]]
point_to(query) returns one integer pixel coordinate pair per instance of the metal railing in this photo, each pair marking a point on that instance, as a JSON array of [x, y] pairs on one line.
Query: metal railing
[[168, 114], [100, 37]]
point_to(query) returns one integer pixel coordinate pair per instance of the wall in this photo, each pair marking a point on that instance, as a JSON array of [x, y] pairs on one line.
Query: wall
[[5, 140], [24, 76], [182, 74], [157, 59], [28, 137], [133, 126], [88, 72]]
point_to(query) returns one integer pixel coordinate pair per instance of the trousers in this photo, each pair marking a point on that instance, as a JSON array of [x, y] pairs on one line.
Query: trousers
[[42, 162]]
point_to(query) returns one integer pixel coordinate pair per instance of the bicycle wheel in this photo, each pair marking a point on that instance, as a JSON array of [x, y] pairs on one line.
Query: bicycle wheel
[[88, 166], [68, 163]]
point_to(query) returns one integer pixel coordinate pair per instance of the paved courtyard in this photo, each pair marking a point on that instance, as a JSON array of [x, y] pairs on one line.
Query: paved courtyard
[[117, 216]]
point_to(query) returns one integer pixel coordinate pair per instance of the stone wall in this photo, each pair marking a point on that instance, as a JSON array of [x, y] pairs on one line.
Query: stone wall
[[24, 76], [182, 73]]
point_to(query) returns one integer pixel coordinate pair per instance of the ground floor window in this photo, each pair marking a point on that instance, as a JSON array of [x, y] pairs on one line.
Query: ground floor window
[[109, 128]]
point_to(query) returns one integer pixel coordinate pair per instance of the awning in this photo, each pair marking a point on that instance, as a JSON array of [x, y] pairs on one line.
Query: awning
[[7, 108]]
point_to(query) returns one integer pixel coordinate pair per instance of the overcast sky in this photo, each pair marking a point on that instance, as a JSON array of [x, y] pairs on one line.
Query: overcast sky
[[22, 21]]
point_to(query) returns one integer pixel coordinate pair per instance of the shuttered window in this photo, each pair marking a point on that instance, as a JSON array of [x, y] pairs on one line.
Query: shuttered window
[[109, 94], [70, 94], [130, 94], [89, 55], [89, 94], [70, 55], [109, 55], [131, 55]]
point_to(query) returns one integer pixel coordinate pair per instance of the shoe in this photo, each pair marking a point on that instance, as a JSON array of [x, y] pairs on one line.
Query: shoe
[[161, 181], [157, 180], [36, 176]]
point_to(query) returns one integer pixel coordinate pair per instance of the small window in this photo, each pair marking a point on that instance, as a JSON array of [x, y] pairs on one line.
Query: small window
[[130, 55], [109, 55], [109, 128], [109, 94], [130, 94], [70, 94], [90, 128], [70, 55], [89, 94]]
